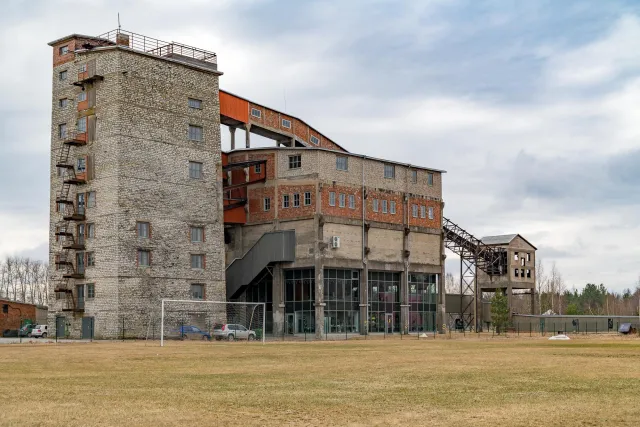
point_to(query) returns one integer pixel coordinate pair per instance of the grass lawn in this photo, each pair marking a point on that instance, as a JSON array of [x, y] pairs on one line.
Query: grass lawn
[[588, 381]]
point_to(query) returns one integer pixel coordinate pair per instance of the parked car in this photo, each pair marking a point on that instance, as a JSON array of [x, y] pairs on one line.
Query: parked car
[[233, 331], [39, 331], [25, 331], [626, 328], [189, 332]]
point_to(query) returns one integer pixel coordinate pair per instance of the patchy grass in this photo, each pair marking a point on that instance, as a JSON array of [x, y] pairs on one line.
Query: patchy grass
[[479, 382]]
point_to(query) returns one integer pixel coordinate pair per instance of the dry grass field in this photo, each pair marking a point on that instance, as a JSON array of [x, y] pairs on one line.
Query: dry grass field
[[477, 382]]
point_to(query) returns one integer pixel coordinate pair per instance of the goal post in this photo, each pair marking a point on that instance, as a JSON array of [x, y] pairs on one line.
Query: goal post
[[212, 320]]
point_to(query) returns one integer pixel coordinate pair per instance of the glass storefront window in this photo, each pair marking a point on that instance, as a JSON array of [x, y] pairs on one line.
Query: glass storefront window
[[342, 299], [299, 301], [384, 301], [422, 302]]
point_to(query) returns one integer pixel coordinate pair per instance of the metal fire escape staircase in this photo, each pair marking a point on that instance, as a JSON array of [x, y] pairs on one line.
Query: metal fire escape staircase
[[68, 242], [474, 255]]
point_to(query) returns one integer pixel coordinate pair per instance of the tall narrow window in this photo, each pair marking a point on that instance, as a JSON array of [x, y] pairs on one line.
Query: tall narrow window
[[91, 290], [430, 212], [144, 258], [342, 163], [528, 257], [91, 199], [257, 168], [285, 200], [143, 229], [375, 205], [82, 96], [307, 198], [515, 256], [91, 231], [267, 204], [342, 200], [81, 165], [296, 200], [414, 211], [62, 103], [62, 130], [392, 207], [91, 259], [352, 201], [516, 272], [197, 261], [430, 179], [195, 133], [195, 170], [423, 211], [195, 103], [414, 176], [384, 206], [197, 234], [81, 125], [295, 161], [389, 171], [332, 198], [62, 75]]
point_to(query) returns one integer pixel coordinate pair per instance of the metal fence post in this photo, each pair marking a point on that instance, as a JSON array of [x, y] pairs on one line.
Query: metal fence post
[[122, 328], [530, 327]]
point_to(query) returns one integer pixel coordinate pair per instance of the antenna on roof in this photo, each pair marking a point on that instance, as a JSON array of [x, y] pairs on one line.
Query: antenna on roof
[[118, 21], [284, 95]]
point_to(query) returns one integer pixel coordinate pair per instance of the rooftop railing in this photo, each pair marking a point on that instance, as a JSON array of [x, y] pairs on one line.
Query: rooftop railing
[[157, 47]]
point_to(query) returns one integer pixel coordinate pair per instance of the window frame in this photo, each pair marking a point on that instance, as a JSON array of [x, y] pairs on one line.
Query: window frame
[[389, 168], [332, 198], [90, 230], [142, 252], [423, 211], [81, 128], [266, 204], [200, 229], [82, 96], [307, 198], [201, 288], [63, 102], [430, 213], [296, 200], [195, 131], [91, 291], [392, 207], [202, 261], [63, 75], [62, 130], [282, 123], [257, 116], [295, 161], [143, 226], [430, 179], [317, 140], [385, 205], [194, 103], [91, 199], [257, 168], [342, 200], [414, 210], [352, 201], [91, 256], [200, 173], [346, 163], [376, 204], [63, 50], [286, 202], [414, 176]]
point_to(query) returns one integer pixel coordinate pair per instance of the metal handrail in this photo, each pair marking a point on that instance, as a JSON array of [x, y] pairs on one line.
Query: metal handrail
[[158, 47]]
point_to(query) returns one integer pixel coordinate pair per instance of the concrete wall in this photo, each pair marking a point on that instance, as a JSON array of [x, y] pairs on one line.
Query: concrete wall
[[589, 324]]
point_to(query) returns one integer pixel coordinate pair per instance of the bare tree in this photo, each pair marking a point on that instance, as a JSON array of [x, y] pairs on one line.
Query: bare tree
[[24, 280], [450, 285]]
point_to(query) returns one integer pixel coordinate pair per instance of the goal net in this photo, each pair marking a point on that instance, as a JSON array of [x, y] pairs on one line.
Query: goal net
[[211, 321]]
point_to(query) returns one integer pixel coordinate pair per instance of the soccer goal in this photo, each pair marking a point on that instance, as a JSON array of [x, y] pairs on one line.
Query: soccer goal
[[212, 320]]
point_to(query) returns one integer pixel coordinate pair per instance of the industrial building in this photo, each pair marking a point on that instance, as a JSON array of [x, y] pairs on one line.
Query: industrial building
[[145, 206]]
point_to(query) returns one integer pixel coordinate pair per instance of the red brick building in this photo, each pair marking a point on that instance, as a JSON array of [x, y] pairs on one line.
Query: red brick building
[[13, 313]]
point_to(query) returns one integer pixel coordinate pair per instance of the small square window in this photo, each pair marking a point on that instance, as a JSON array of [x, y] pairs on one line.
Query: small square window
[[430, 212], [195, 133], [375, 205], [295, 162], [195, 103], [286, 123], [332, 198], [267, 204], [197, 261], [91, 290], [257, 168], [392, 207], [195, 170], [82, 68], [62, 75], [63, 50], [414, 211], [528, 257], [389, 171], [144, 229], [430, 179], [144, 258], [197, 291], [315, 140], [82, 96], [296, 200], [62, 103], [197, 234], [81, 125], [342, 163], [307, 198], [516, 272], [91, 231], [91, 259], [384, 206], [62, 130], [342, 200], [285, 200], [522, 272], [91, 199], [352, 201], [423, 211], [515, 256], [414, 176], [256, 113]]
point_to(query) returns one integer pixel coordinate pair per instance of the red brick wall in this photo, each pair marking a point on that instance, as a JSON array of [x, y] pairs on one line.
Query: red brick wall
[[254, 119], [328, 144], [300, 130], [282, 128], [425, 222], [11, 320], [396, 218], [337, 210], [69, 56], [271, 163], [301, 211], [256, 206], [271, 119]]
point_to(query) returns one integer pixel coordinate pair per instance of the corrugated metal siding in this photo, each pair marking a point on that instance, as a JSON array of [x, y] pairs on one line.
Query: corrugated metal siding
[[234, 107]]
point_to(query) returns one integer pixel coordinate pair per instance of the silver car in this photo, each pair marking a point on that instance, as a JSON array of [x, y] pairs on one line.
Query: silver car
[[233, 331]]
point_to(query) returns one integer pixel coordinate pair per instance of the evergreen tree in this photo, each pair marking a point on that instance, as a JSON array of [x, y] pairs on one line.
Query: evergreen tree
[[499, 311]]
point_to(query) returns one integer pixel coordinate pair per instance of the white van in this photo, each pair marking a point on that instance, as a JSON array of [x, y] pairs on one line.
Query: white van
[[39, 331]]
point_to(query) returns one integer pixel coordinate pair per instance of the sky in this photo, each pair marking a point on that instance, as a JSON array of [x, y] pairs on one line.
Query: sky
[[531, 107]]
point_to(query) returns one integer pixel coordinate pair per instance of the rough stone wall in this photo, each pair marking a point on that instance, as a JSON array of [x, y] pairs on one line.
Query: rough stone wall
[[142, 156]]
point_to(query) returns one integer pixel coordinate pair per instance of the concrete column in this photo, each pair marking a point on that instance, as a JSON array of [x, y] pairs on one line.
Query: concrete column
[[404, 300], [364, 299], [232, 132], [533, 301], [319, 277], [277, 295], [247, 128]]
